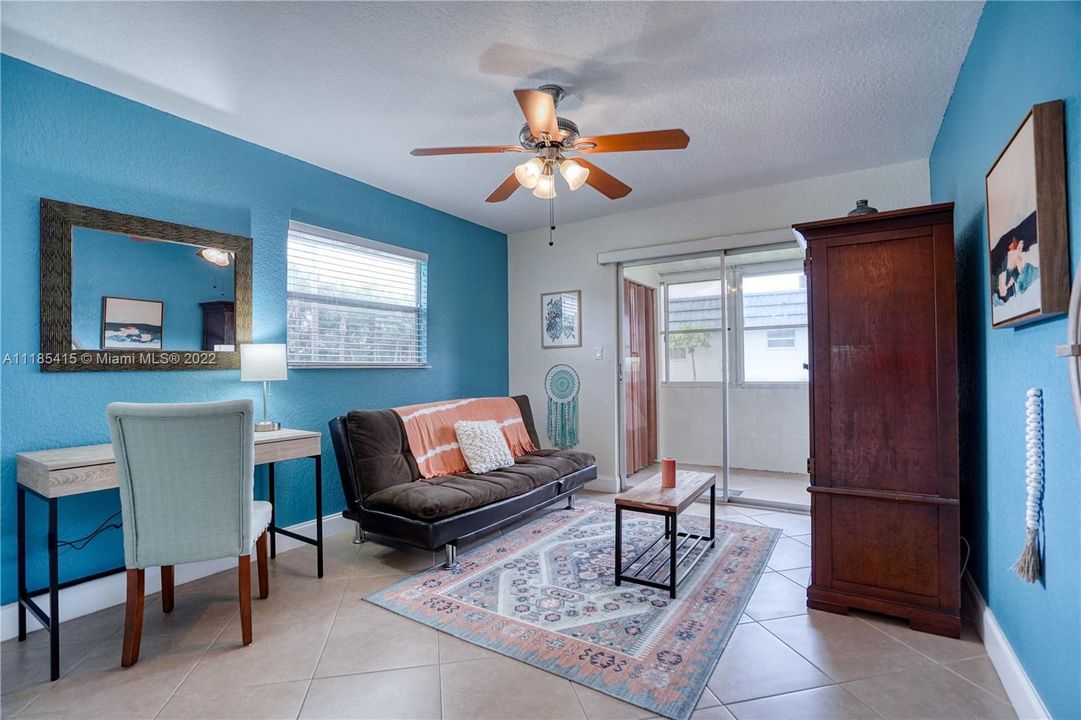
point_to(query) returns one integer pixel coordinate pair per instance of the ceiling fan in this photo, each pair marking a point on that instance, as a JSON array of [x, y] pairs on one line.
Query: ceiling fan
[[549, 137]]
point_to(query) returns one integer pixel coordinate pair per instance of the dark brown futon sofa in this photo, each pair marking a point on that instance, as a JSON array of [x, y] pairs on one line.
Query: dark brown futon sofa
[[385, 494]]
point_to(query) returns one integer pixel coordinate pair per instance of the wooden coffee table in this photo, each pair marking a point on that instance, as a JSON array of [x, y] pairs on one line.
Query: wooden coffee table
[[651, 498]]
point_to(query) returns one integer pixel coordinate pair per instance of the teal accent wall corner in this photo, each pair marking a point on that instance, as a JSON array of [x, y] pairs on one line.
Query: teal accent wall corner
[[68, 141], [1021, 54]]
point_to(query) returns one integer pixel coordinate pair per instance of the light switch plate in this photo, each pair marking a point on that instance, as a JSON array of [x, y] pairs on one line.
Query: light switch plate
[[598, 352]]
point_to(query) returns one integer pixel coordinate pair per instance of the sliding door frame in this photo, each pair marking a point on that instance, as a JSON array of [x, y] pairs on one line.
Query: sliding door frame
[[621, 419]]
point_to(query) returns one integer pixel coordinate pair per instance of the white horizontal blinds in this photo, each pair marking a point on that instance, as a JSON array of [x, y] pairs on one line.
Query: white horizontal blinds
[[354, 301]]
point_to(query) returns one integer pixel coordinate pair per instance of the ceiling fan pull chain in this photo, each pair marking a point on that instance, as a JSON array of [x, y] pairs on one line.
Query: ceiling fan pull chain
[[551, 220]]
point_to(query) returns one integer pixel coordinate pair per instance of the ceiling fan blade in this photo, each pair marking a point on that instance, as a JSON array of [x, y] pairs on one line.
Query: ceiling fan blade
[[629, 142], [602, 181], [505, 189], [540, 113], [469, 150]]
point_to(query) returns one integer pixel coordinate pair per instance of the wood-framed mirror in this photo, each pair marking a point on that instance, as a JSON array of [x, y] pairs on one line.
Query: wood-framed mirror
[[122, 292]]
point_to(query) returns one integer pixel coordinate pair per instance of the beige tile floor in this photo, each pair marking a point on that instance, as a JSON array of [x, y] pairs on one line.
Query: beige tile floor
[[320, 651], [776, 487]]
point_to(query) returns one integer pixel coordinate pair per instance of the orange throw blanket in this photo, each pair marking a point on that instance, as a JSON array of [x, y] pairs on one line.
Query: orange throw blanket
[[430, 429]]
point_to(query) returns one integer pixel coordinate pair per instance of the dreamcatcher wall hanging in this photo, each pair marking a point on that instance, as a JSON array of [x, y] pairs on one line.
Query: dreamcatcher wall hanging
[[562, 383]]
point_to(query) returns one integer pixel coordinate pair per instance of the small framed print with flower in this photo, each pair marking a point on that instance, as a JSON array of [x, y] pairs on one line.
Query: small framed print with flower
[[561, 319]]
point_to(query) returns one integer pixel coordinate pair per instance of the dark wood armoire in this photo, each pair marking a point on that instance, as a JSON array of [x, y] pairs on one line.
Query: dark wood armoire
[[884, 445], [219, 324]]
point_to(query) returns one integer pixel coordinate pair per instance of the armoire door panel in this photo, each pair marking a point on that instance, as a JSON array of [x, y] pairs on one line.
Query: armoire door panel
[[897, 547], [882, 368]]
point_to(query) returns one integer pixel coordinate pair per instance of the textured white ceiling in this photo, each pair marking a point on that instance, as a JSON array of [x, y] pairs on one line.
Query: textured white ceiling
[[769, 92]]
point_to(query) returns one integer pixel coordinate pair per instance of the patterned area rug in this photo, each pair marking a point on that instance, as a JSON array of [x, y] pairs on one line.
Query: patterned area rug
[[545, 594]]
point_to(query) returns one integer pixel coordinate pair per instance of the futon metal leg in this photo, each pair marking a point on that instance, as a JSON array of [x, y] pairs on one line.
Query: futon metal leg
[[451, 561], [570, 501], [358, 534]]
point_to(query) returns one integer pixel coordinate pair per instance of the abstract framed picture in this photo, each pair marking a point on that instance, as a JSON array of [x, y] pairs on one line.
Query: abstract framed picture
[[131, 324], [561, 319], [1026, 222]]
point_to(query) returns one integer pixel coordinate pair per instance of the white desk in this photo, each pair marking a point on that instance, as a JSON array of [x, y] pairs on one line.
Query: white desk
[[63, 472]]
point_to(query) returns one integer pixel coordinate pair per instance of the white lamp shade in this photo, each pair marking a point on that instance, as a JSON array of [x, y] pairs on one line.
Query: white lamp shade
[[546, 187], [263, 361], [573, 173], [528, 172]]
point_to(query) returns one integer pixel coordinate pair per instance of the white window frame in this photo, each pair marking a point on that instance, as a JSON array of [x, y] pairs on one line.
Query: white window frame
[[685, 279], [421, 308], [735, 282]]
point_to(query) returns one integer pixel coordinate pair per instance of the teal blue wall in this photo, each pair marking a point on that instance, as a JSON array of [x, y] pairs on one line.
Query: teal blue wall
[[68, 141], [1022, 54], [105, 263]]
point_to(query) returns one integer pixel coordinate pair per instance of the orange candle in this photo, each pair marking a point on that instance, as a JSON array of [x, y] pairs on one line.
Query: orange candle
[[668, 472]]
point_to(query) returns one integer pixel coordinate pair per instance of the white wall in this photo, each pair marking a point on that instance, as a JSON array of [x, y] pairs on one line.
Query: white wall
[[572, 263]]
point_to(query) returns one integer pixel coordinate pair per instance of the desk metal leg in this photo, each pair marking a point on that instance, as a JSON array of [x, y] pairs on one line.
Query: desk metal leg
[[319, 512], [54, 594], [21, 514], [619, 545], [672, 557], [273, 510], [274, 530]]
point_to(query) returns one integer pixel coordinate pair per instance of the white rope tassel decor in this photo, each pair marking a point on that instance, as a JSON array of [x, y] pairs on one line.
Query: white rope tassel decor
[[1028, 565]]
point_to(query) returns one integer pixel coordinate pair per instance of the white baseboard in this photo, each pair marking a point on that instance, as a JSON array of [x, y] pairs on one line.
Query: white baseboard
[[603, 483], [99, 594], [1026, 701]]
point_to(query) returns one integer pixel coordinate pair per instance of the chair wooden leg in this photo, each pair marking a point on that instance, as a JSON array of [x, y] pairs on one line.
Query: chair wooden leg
[[133, 618], [244, 577], [167, 588], [264, 571]]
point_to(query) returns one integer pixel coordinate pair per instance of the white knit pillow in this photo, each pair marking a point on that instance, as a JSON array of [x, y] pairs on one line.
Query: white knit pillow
[[483, 445]]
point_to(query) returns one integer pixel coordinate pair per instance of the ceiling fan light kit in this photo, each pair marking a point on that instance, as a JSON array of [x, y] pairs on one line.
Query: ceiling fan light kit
[[549, 136]]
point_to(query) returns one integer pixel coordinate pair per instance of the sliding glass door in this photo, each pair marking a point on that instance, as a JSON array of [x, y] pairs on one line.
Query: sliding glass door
[[724, 386], [767, 387]]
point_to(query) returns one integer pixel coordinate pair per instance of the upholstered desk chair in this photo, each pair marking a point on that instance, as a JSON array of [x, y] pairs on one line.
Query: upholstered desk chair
[[186, 475]]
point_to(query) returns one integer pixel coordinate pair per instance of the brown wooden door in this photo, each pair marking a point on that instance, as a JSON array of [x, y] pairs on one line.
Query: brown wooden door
[[640, 374]]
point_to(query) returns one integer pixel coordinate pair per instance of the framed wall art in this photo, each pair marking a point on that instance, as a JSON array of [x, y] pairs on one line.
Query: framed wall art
[[131, 324], [561, 319], [1026, 222]]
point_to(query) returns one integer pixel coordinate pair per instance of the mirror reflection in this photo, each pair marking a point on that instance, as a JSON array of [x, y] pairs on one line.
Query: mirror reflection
[[138, 293]]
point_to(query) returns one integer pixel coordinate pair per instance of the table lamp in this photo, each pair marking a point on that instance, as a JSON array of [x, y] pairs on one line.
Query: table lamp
[[263, 362]]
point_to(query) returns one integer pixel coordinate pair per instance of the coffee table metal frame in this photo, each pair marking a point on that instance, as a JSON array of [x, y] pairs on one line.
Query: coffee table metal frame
[[677, 541]]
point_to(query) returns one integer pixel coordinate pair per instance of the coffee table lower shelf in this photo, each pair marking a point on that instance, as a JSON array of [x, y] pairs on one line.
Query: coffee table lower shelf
[[692, 546]]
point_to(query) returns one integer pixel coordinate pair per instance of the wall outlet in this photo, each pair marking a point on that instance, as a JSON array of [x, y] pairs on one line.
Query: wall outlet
[[598, 352]]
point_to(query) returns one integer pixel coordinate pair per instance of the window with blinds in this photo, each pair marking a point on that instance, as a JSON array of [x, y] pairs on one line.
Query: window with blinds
[[354, 302]]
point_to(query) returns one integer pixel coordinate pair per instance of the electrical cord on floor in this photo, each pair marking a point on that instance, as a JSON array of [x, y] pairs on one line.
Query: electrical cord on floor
[[968, 554], [80, 543]]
